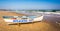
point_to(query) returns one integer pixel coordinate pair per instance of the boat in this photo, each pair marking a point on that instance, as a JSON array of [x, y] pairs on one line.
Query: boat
[[21, 19]]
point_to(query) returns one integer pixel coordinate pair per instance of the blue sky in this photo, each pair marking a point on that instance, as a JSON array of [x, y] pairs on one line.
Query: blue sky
[[29, 4]]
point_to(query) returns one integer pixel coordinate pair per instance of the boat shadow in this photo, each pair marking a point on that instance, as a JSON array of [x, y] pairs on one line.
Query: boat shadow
[[25, 23]]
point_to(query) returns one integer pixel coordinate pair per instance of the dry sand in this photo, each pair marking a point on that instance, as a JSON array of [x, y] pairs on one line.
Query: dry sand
[[37, 26]]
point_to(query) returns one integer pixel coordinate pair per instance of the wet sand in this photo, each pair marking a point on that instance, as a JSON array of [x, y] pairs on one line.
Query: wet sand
[[48, 24]]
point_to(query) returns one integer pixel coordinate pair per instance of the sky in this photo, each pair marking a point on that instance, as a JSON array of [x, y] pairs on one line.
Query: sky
[[29, 4]]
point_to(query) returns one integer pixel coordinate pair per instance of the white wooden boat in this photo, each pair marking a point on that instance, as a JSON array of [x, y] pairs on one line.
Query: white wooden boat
[[22, 19]]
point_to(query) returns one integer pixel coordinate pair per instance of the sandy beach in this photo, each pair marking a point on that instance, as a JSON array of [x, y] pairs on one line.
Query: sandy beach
[[48, 24]]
